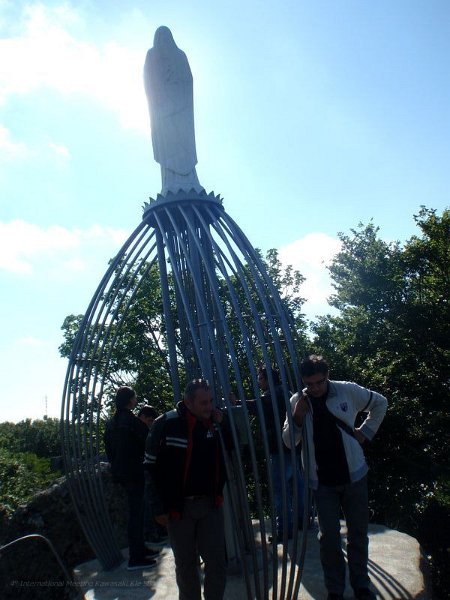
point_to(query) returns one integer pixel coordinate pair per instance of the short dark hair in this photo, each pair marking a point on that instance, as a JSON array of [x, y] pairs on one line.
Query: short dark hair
[[148, 411], [312, 365], [193, 386], [123, 396], [263, 370]]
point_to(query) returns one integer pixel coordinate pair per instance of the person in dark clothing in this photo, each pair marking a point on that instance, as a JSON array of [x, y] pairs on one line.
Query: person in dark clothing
[[184, 457], [154, 533], [147, 414], [282, 466], [125, 437]]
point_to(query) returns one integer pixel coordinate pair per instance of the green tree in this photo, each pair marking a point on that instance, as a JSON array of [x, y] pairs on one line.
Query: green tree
[[25, 452], [134, 343], [40, 437], [287, 282]]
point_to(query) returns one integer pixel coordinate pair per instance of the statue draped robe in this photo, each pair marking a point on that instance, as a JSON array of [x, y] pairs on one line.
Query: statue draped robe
[[169, 88]]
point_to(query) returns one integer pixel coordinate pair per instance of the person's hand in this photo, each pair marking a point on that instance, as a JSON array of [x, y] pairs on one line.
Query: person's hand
[[300, 410], [217, 415], [162, 519], [360, 437]]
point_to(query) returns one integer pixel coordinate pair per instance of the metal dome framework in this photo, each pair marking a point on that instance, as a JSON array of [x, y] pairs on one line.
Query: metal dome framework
[[213, 284]]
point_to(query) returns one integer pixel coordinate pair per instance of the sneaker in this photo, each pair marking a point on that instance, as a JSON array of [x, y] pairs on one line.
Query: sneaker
[[335, 597], [144, 563], [364, 594], [149, 553]]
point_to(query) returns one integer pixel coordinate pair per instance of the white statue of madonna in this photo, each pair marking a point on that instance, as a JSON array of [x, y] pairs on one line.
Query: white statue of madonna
[[169, 88]]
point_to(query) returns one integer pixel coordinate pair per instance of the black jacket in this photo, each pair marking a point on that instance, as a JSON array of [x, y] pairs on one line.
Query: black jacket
[[168, 455], [274, 426], [125, 437]]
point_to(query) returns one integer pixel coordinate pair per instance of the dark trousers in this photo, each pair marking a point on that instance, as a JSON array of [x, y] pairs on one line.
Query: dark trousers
[[353, 500], [135, 497], [151, 527], [200, 531], [285, 478]]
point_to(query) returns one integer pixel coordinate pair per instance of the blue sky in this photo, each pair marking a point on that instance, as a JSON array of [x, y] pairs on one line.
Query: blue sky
[[311, 116]]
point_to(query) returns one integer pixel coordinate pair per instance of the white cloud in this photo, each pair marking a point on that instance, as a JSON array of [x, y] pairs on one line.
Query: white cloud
[[30, 341], [311, 255], [45, 54], [60, 252], [13, 150], [9, 148], [60, 150]]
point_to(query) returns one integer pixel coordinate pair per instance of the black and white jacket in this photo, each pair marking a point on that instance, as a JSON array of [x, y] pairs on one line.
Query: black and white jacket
[[168, 455]]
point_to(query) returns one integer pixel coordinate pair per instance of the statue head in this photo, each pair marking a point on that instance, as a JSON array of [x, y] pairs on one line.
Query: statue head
[[163, 39]]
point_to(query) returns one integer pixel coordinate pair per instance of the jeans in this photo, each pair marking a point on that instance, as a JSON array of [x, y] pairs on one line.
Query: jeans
[[286, 478], [352, 498], [200, 531]]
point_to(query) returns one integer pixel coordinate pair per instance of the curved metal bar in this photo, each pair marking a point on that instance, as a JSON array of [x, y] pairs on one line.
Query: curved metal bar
[[262, 340], [38, 536], [282, 313], [219, 282], [213, 281], [275, 409], [83, 483]]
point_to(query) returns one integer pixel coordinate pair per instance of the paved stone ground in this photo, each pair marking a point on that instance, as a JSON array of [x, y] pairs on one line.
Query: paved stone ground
[[395, 564]]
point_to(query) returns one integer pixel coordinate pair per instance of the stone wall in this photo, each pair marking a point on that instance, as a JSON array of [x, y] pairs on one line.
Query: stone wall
[[29, 569]]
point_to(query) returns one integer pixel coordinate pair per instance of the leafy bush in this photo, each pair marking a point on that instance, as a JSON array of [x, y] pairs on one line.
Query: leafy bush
[[41, 437], [21, 476]]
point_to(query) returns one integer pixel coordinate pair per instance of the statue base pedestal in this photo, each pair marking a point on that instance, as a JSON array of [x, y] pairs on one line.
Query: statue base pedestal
[[182, 196]]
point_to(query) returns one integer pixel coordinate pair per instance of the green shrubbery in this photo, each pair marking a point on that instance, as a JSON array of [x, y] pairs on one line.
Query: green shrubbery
[[21, 475], [41, 437], [25, 451]]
